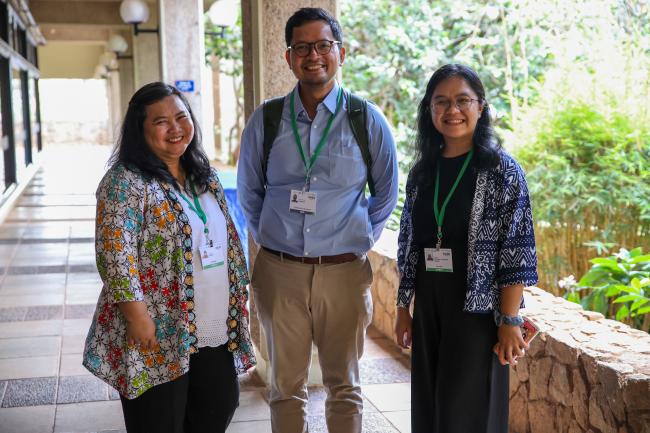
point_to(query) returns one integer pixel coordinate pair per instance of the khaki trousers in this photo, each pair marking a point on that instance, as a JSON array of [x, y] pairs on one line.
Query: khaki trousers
[[329, 305]]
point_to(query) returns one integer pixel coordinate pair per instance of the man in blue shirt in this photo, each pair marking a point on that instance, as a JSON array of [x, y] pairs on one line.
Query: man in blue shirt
[[314, 223]]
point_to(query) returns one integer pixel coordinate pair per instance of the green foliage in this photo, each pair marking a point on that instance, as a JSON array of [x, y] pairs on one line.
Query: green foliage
[[596, 165], [225, 46], [617, 286]]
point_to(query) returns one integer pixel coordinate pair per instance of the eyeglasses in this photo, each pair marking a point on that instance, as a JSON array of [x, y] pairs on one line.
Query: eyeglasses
[[463, 103], [303, 49]]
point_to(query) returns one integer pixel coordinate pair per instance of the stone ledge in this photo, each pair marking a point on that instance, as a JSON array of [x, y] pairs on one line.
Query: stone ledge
[[583, 373]]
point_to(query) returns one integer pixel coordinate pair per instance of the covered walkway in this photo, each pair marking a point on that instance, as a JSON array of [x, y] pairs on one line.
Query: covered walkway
[[48, 289]]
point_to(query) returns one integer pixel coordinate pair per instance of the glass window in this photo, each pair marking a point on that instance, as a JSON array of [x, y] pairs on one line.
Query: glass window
[[19, 122], [3, 142], [33, 116], [4, 33]]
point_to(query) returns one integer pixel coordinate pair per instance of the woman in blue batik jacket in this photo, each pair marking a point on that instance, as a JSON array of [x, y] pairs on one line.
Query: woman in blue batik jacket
[[466, 250]]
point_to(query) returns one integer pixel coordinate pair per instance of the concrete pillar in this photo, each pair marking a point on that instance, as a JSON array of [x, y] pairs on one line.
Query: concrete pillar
[[115, 105], [182, 50], [266, 75], [127, 84], [146, 51]]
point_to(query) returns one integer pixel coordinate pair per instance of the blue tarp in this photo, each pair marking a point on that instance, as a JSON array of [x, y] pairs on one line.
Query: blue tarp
[[228, 180]]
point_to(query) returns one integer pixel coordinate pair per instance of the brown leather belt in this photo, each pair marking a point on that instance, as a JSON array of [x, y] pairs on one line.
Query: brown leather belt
[[339, 258]]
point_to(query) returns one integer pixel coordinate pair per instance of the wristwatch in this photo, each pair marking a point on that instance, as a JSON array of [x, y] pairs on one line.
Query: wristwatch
[[502, 319]]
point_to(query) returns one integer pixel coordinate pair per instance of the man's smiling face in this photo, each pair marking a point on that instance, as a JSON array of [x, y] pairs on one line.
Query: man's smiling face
[[315, 70]]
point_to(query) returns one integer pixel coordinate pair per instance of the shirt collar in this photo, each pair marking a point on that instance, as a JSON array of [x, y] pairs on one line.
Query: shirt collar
[[329, 101]]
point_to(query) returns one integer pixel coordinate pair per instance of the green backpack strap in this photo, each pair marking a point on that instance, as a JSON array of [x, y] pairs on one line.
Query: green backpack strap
[[272, 114], [357, 115]]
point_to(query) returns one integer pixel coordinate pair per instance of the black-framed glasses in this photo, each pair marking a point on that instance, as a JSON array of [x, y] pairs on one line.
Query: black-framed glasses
[[463, 103], [302, 49]]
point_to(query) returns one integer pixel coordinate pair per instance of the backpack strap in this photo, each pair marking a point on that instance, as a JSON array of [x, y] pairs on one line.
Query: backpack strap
[[357, 115], [272, 114]]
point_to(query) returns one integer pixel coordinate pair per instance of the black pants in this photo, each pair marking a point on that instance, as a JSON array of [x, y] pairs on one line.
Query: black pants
[[201, 401], [457, 383]]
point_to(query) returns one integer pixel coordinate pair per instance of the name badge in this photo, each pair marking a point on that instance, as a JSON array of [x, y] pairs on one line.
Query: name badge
[[302, 201], [211, 255], [438, 260]]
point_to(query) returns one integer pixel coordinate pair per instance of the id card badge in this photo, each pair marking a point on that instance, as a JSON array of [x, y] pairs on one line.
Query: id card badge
[[302, 201], [438, 260], [211, 255]]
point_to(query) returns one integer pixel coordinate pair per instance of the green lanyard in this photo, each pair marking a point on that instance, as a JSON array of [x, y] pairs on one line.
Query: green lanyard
[[440, 213], [323, 139], [197, 209]]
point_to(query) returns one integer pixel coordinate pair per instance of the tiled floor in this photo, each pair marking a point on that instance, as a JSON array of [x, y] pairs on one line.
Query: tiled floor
[[48, 290]]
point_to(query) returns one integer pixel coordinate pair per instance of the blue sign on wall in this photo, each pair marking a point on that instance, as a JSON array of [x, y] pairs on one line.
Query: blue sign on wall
[[184, 85]]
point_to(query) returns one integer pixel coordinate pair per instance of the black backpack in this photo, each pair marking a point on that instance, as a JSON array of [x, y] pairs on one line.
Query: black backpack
[[357, 113]]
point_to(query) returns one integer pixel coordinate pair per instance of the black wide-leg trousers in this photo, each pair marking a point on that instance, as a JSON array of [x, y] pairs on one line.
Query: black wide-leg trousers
[[201, 401], [457, 383]]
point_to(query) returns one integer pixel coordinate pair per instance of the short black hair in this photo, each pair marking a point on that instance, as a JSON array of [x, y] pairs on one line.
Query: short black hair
[[429, 141], [133, 151], [305, 15]]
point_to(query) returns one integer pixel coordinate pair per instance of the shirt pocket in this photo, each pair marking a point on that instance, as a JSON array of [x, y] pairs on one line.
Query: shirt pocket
[[347, 167]]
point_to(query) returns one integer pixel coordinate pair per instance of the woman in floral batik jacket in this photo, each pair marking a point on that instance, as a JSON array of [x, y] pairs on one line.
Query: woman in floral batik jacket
[[170, 331]]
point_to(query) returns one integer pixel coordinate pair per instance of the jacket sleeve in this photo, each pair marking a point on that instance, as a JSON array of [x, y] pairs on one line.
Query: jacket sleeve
[[120, 208], [407, 254], [517, 259]]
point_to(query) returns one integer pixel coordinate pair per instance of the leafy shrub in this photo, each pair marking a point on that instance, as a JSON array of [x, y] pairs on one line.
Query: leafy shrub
[[617, 286]]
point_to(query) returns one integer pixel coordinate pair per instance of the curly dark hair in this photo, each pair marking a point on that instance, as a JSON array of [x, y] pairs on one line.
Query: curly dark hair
[[133, 151], [305, 15], [429, 141]]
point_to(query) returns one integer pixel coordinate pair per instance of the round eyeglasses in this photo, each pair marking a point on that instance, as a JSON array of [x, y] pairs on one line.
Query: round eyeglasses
[[442, 105], [303, 49]]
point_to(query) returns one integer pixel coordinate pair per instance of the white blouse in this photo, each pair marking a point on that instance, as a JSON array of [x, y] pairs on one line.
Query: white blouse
[[211, 291]]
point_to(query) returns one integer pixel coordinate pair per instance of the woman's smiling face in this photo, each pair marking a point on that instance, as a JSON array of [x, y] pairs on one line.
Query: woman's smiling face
[[168, 128], [454, 123]]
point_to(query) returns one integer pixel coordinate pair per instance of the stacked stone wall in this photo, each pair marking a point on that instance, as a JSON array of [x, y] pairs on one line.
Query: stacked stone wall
[[583, 373]]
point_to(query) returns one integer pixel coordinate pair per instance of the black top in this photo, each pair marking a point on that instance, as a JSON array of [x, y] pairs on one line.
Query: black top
[[456, 223]]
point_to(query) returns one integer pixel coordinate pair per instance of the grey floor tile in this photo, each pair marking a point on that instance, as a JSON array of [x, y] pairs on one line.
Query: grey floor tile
[[80, 311], [52, 312], [34, 419], [77, 389], [3, 387], [71, 365], [252, 407], [24, 368], [389, 397], [250, 427], [31, 300], [30, 346], [33, 284], [32, 328], [73, 344], [12, 314], [387, 370], [401, 420], [76, 326], [89, 417], [32, 269], [30, 392]]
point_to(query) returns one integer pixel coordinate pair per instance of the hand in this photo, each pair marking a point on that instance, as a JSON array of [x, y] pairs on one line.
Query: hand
[[510, 345], [404, 327], [141, 332]]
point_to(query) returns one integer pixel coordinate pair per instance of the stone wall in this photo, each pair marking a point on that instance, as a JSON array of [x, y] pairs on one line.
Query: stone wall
[[583, 373]]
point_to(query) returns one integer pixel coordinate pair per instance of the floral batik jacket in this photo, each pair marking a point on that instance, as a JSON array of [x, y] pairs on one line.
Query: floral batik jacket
[[143, 243]]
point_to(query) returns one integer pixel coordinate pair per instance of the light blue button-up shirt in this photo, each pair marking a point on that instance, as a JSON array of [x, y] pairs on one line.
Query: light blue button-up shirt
[[345, 219]]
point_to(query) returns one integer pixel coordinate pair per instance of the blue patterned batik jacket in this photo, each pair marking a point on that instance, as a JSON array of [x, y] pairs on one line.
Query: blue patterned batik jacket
[[501, 246]]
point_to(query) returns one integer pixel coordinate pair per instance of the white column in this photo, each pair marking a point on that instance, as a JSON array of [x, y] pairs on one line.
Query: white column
[[182, 50]]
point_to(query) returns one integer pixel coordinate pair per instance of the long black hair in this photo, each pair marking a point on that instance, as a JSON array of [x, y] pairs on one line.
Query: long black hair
[[133, 151], [429, 141]]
